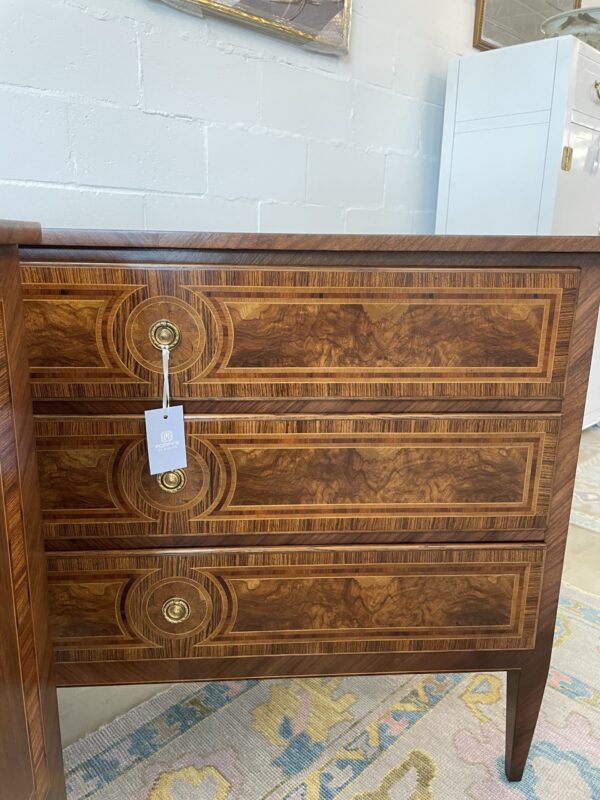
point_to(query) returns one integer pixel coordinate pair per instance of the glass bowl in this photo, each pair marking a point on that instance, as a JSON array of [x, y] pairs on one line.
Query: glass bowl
[[583, 23]]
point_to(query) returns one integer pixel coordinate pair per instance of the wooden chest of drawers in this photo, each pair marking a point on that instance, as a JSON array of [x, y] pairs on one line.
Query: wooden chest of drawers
[[382, 436]]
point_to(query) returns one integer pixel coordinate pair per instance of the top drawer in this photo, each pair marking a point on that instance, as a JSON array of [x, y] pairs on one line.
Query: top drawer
[[298, 333]]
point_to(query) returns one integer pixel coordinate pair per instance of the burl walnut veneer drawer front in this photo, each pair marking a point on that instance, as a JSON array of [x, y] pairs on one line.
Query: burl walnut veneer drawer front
[[223, 603], [299, 334], [291, 475]]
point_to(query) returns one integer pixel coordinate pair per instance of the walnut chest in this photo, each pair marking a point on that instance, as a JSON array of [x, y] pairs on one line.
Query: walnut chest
[[381, 434]]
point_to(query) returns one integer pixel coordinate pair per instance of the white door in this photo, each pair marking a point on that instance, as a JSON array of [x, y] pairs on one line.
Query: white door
[[578, 214], [577, 210]]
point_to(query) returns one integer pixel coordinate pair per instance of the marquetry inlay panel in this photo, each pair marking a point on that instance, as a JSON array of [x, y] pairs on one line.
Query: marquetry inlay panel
[[331, 475], [300, 334], [294, 601]]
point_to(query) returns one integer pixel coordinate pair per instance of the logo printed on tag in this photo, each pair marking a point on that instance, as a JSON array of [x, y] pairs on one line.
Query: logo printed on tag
[[165, 436]]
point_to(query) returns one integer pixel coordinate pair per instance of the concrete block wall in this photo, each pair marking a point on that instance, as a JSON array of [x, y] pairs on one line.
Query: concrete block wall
[[131, 114]]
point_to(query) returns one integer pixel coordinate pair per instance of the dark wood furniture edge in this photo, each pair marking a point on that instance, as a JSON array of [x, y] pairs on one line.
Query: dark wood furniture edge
[[101, 407], [73, 545], [222, 669], [19, 232], [59, 237]]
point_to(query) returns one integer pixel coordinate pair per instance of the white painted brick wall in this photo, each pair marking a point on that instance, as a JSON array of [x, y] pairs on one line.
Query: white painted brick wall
[[51, 46], [128, 113], [259, 165], [132, 149], [187, 76], [34, 136], [312, 104], [340, 176]]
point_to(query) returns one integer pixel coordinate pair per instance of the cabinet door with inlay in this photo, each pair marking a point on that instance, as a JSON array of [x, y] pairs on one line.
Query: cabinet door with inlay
[[298, 334], [290, 602], [253, 478]]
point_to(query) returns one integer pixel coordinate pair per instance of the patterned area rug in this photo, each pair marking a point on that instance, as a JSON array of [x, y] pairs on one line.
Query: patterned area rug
[[585, 511], [387, 738]]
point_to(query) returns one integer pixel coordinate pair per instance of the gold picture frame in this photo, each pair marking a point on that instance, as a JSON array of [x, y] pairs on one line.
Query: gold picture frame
[[482, 43], [322, 25]]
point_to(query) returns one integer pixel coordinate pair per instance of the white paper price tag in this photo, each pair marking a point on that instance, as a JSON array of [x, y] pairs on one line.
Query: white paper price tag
[[165, 434], [166, 439]]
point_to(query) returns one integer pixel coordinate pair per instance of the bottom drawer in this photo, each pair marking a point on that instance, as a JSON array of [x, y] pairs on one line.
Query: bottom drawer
[[191, 604]]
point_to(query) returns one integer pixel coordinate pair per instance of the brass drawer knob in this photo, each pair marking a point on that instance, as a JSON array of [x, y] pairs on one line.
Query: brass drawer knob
[[164, 334], [597, 88], [176, 610], [173, 481]]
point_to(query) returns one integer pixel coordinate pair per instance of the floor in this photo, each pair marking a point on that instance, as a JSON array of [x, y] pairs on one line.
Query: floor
[[582, 562], [84, 709]]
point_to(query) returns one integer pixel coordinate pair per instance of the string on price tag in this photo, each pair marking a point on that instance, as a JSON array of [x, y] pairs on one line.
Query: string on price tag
[[166, 390], [165, 434]]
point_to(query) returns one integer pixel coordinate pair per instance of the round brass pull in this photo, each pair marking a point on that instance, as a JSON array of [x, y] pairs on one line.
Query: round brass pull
[[176, 610], [597, 88], [173, 481], [164, 334]]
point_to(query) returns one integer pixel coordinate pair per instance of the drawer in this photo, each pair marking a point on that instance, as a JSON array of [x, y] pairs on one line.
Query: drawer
[[587, 94], [264, 602], [298, 334], [259, 477]]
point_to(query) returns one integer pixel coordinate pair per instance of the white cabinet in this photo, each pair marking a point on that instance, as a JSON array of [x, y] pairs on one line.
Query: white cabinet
[[521, 148], [577, 202]]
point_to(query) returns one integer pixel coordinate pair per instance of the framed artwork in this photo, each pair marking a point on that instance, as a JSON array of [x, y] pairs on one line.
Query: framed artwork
[[504, 22], [322, 25]]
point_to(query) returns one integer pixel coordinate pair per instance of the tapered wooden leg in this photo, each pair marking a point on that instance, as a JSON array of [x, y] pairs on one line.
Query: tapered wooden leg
[[525, 691]]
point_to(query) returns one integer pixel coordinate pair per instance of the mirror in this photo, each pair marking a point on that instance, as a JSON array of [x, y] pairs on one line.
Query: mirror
[[504, 22]]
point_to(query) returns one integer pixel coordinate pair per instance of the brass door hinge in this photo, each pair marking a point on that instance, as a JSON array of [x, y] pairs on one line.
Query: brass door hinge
[[567, 159]]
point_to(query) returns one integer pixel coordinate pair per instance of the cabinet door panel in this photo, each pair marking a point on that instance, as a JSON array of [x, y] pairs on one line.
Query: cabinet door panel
[[522, 79], [577, 211], [516, 158]]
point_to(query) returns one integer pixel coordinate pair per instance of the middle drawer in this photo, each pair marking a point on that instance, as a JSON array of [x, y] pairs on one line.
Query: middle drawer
[[259, 480]]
